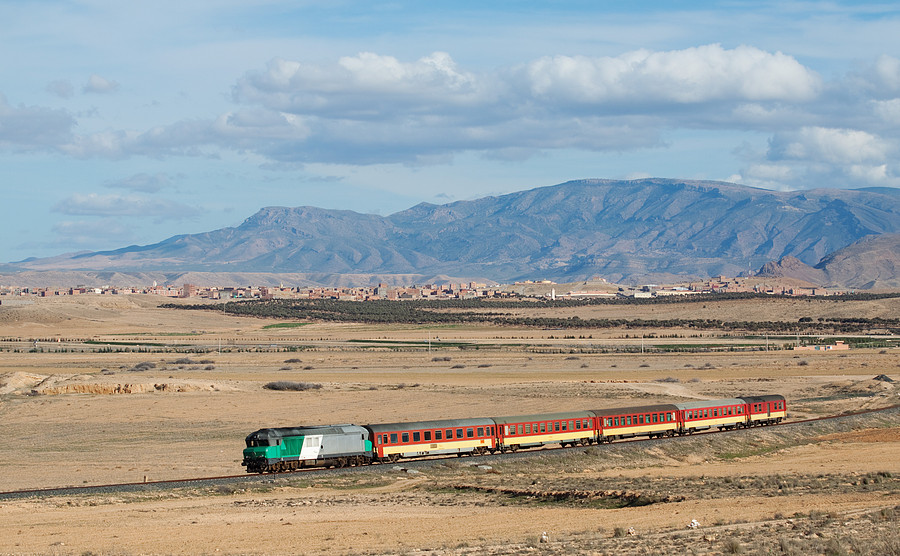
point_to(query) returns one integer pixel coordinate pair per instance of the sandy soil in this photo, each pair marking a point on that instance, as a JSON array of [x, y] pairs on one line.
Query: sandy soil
[[77, 418]]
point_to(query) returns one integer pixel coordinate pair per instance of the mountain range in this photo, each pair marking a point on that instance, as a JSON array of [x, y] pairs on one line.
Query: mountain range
[[658, 230]]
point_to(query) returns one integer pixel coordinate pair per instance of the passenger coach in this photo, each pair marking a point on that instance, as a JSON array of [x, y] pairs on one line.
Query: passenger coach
[[526, 431], [627, 422], [765, 410], [450, 436], [724, 414]]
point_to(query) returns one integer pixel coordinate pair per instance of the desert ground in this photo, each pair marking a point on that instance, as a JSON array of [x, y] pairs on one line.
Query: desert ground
[[110, 389]]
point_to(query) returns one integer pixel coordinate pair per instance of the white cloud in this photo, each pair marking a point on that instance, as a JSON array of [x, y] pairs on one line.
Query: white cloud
[[693, 75], [828, 145], [887, 110], [143, 183], [31, 127], [93, 204], [97, 84]]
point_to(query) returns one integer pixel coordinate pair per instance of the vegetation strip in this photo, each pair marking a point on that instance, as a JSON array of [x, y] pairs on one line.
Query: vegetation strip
[[629, 499], [481, 311]]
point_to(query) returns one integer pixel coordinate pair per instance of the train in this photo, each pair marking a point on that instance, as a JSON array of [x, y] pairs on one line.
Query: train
[[282, 449]]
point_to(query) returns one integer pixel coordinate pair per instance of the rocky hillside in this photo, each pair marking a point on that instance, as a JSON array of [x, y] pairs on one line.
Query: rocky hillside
[[625, 231], [870, 263]]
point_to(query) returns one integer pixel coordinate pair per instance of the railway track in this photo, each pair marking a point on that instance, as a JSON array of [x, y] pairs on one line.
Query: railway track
[[274, 478]]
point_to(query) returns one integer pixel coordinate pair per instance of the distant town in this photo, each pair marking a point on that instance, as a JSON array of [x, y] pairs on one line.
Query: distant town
[[596, 288]]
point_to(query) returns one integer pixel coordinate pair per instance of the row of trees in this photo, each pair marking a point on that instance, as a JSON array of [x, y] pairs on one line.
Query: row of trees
[[483, 311]]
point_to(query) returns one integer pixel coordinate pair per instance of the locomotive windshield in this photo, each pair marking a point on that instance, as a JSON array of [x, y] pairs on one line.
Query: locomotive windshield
[[260, 442]]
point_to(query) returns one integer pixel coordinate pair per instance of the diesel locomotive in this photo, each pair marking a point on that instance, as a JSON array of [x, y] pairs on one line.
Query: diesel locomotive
[[275, 450]]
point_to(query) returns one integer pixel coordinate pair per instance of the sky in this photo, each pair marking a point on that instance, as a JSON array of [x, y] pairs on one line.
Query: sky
[[125, 123]]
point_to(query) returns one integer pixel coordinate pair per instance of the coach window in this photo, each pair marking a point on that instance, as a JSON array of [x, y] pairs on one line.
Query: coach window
[[578, 425], [564, 426], [507, 433], [438, 435], [405, 437], [480, 431], [668, 417], [543, 427], [656, 417], [556, 426], [459, 433], [470, 432], [617, 421], [715, 412], [417, 437], [528, 428], [393, 438], [427, 435]]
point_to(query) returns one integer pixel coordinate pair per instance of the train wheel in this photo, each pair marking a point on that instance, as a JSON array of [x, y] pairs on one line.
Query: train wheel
[[394, 458], [514, 448]]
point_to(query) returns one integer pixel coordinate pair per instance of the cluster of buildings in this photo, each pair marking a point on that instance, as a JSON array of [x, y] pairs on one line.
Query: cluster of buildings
[[597, 288]]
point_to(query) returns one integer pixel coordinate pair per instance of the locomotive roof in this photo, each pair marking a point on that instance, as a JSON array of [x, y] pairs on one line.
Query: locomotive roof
[[543, 417], [635, 409], [281, 432], [710, 403], [421, 425]]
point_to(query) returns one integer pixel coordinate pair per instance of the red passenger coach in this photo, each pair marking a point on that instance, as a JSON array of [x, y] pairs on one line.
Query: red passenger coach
[[765, 410], [645, 420], [522, 431], [392, 441], [724, 414]]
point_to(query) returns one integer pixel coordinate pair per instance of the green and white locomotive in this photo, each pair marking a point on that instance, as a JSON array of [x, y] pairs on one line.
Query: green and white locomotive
[[289, 448]]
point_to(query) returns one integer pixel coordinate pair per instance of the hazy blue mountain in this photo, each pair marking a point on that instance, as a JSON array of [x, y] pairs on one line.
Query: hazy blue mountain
[[629, 231]]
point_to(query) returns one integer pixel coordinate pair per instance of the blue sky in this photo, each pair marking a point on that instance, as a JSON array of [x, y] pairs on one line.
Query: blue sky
[[128, 122]]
